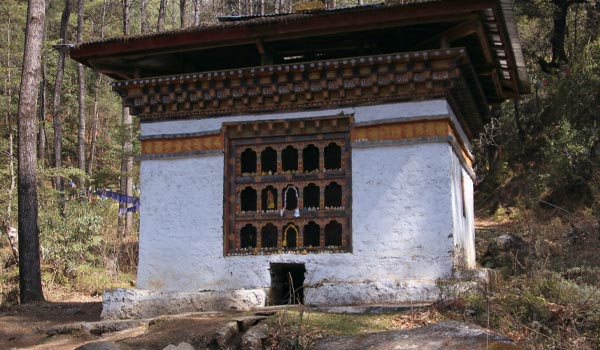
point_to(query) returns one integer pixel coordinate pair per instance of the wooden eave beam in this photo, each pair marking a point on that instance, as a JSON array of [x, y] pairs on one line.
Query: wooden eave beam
[[497, 84], [265, 57], [483, 41], [487, 51], [116, 71], [112, 72], [470, 27], [461, 30], [500, 9]]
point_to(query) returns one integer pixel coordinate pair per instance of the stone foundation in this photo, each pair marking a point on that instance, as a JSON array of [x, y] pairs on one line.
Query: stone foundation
[[139, 303]]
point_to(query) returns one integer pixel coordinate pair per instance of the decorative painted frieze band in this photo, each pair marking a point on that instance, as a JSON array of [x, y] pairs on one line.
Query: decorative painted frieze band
[[398, 131], [181, 145], [412, 130], [320, 84]]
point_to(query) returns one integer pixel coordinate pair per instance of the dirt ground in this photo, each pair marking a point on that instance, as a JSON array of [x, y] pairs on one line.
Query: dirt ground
[[26, 327], [23, 326]]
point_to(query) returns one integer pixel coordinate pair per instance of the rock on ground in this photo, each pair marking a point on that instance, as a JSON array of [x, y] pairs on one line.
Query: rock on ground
[[181, 346], [100, 345], [447, 335]]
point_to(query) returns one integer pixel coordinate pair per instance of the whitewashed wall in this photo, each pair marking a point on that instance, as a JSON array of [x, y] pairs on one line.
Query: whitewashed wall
[[463, 216], [404, 214]]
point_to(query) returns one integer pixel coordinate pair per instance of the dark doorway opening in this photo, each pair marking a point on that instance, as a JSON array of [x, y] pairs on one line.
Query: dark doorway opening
[[287, 284]]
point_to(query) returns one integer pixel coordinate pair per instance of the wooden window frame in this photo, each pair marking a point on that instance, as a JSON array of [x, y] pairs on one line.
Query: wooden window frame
[[279, 134]]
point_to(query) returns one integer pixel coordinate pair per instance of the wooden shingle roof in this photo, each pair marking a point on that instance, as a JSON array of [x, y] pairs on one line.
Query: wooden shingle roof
[[485, 28]]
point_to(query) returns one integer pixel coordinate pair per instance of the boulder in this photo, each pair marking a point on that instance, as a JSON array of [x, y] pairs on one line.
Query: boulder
[[447, 335], [181, 346], [100, 345]]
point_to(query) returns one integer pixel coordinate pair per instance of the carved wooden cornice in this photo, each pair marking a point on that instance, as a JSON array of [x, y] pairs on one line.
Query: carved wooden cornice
[[298, 86]]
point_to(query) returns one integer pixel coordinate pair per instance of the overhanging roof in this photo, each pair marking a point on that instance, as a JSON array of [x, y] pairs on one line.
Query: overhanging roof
[[485, 27]]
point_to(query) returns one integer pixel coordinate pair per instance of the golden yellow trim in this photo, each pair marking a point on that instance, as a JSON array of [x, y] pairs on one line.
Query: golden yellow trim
[[182, 145], [401, 130], [408, 130]]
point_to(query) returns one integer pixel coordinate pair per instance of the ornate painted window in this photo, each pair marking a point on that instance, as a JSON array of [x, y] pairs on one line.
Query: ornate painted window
[[288, 186]]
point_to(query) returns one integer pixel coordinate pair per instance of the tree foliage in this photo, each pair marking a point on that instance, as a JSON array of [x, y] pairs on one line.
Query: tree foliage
[[545, 146]]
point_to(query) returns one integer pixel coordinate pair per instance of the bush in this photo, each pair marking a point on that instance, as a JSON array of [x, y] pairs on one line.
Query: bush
[[72, 236], [526, 308]]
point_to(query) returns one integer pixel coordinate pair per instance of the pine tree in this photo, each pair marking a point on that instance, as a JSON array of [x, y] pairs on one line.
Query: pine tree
[[29, 255]]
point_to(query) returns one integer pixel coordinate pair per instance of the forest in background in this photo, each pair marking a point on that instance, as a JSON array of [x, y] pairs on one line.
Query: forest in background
[[538, 161]]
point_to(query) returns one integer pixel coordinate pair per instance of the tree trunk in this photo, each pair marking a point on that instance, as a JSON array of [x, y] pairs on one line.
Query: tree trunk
[[559, 31], [144, 21], [182, 13], [126, 5], [81, 97], [7, 218], [7, 221], [42, 111], [8, 81], [103, 23], [518, 123], [161, 16], [197, 12], [30, 280], [60, 72], [94, 131], [125, 222]]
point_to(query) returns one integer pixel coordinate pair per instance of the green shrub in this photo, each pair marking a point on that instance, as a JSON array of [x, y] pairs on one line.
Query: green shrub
[[526, 308], [91, 280], [71, 238]]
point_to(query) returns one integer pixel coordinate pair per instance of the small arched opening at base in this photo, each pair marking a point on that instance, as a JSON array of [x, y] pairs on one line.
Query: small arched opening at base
[[287, 284]]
